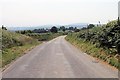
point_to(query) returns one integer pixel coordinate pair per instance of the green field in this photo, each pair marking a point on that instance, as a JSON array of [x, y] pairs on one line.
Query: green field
[[44, 36]]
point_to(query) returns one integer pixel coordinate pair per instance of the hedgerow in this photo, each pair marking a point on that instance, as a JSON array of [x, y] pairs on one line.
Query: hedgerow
[[102, 42]]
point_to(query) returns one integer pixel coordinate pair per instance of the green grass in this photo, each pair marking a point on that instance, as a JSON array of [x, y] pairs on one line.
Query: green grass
[[8, 55], [0, 59]]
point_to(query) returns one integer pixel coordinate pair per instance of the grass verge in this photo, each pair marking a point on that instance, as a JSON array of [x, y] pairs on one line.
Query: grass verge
[[93, 50], [11, 54]]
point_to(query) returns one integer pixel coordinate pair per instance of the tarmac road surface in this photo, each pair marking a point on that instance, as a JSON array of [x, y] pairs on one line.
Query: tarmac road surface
[[58, 59]]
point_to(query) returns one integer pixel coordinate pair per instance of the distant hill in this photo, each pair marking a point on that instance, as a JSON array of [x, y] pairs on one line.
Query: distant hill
[[22, 28], [30, 28], [78, 25]]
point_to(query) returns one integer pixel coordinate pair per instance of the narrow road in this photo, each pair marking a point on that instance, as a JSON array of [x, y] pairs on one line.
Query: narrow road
[[58, 59]]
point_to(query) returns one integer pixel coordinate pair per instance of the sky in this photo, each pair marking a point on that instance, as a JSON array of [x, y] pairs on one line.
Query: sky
[[119, 9], [45, 12]]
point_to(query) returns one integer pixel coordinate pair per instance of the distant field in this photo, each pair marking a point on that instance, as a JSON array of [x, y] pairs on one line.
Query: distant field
[[44, 36]]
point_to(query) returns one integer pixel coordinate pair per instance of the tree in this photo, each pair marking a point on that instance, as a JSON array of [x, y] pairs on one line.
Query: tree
[[29, 31], [71, 28], [62, 28], [23, 32], [90, 26], [76, 30], [84, 28], [54, 29], [118, 21], [4, 28]]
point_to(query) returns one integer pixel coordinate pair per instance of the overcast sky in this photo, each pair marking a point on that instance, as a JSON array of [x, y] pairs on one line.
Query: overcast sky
[[42, 12]]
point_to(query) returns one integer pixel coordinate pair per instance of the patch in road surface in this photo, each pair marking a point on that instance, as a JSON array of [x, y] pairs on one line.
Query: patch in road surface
[[59, 54]]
